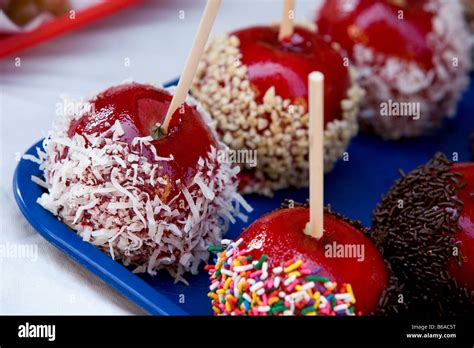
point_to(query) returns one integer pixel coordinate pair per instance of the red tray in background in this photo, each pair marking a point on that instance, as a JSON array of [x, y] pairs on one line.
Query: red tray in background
[[11, 43]]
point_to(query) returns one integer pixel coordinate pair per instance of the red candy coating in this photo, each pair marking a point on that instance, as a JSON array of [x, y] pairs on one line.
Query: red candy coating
[[464, 274], [388, 28], [280, 235], [287, 64], [139, 108]]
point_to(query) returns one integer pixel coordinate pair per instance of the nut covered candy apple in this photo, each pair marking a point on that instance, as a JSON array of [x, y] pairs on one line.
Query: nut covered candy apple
[[255, 86], [412, 58], [274, 268], [147, 201], [424, 227]]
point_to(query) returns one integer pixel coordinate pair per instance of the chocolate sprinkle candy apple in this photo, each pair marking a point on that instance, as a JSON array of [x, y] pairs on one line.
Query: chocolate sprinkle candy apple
[[424, 227], [274, 268], [404, 52], [255, 86], [154, 203]]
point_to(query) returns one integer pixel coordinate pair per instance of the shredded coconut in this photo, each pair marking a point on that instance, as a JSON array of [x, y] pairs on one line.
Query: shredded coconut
[[94, 188], [437, 90]]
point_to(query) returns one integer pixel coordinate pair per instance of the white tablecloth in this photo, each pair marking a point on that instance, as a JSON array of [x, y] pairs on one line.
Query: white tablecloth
[[155, 41]]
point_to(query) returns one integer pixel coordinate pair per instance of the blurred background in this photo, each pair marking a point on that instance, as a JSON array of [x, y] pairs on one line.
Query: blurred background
[[147, 42]]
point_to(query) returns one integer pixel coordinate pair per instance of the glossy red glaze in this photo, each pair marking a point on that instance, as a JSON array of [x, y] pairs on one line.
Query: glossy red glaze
[[464, 274], [280, 235], [138, 108], [287, 64], [377, 24]]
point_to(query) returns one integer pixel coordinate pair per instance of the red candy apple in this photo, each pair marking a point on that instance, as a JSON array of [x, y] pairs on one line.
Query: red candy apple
[[285, 65], [403, 51], [256, 88], [280, 236], [155, 201], [424, 228], [464, 272], [139, 108], [379, 25]]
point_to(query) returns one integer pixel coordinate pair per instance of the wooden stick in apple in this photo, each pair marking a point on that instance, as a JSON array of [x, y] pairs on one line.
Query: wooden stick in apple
[[275, 253], [316, 158], [286, 25], [192, 61]]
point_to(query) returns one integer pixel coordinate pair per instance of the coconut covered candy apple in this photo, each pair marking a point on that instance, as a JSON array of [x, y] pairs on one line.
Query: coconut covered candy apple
[[274, 268], [424, 227], [255, 86], [414, 52], [154, 202]]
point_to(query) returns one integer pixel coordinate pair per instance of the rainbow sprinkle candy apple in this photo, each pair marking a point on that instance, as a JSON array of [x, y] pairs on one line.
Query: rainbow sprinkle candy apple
[[284, 264], [414, 52], [424, 227], [148, 201], [274, 268], [254, 85]]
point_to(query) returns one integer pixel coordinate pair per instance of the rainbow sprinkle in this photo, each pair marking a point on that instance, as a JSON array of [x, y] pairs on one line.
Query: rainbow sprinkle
[[243, 286]]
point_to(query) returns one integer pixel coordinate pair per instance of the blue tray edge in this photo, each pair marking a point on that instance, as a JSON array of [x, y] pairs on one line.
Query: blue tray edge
[[102, 271]]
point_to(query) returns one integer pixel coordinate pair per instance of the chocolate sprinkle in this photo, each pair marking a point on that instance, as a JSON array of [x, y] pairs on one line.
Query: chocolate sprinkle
[[413, 227], [388, 303]]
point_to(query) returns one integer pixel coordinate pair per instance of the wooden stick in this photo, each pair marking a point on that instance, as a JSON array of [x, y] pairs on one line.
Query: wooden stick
[[316, 153], [286, 25], [200, 40]]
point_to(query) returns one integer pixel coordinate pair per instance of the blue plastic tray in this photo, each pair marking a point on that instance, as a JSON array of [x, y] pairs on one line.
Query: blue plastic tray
[[352, 188]]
